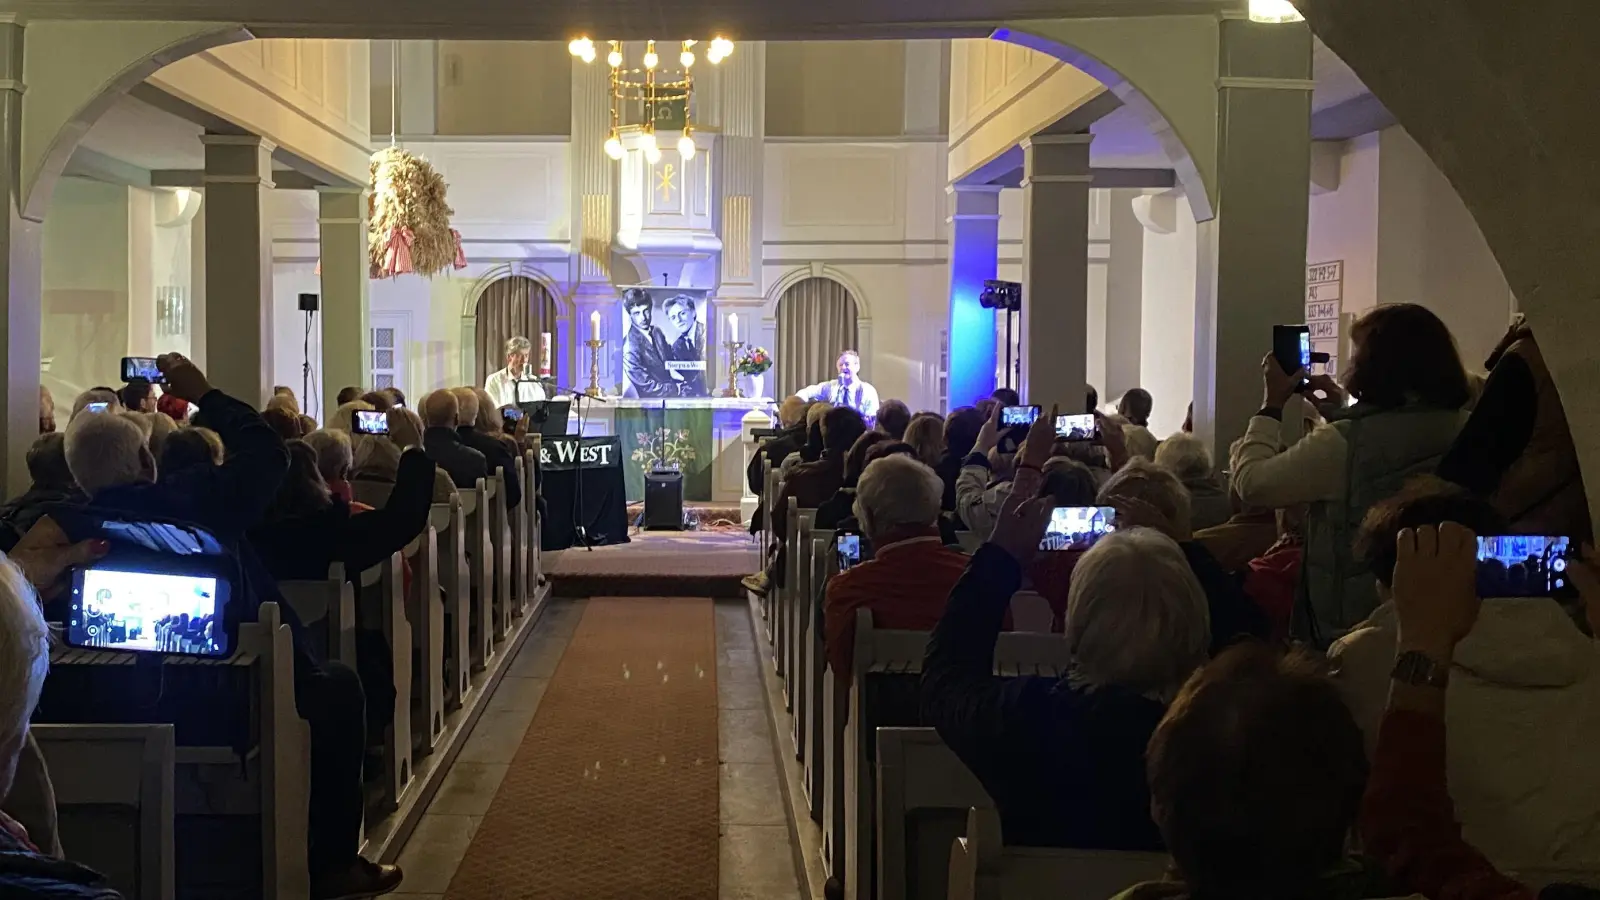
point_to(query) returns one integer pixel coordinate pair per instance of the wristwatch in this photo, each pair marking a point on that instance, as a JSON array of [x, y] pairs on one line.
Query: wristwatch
[[1417, 668]]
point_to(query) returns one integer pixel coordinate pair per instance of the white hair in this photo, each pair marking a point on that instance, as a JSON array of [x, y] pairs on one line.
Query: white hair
[[518, 344], [24, 660], [897, 491], [1185, 456], [106, 451], [1136, 615], [95, 395], [344, 418], [335, 456], [1152, 486]]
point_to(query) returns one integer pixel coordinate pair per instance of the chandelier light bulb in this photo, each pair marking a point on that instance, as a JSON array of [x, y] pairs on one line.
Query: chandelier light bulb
[[614, 58], [648, 141], [686, 147], [588, 54], [652, 154], [582, 48], [686, 58], [651, 60], [721, 48], [1274, 12], [614, 147]]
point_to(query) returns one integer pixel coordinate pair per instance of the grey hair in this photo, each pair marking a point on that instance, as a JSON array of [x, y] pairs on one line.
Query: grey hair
[[1143, 481], [95, 395], [24, 661], [519, 344], [1185, 456], [1136, 615], [107, 451], [897, 491], [344, 418], [335, 455]]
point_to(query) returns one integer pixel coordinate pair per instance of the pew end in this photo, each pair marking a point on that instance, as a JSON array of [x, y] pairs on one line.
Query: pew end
[[983, 868]]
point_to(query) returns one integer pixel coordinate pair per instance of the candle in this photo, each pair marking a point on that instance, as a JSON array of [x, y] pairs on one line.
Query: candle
[[594, 324], [733, 327], [544, 353]]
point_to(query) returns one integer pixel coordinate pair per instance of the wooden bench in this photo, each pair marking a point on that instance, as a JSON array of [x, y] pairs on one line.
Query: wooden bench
[[923, 794], [424, 610], [455, 582], [797, 560], [771, 486], [327, 606], [381, 605], [808, 714], [105, 776], [501, 539], [480, 564], [983, 868]]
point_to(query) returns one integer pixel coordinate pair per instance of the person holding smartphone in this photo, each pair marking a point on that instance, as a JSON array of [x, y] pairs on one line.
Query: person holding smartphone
[[1522, 683]]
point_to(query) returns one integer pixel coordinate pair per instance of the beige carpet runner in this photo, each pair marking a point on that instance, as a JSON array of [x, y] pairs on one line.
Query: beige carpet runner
[[613, 794]]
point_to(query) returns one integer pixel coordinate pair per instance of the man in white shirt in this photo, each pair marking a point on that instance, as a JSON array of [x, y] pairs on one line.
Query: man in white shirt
[[846, 390], [516, 383]]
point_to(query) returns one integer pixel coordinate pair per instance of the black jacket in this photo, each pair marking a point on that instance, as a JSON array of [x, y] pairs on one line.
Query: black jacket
[[302, 548], [20, 514], [776, 449], [1064, 765], [1233, 615], [464, 464], [495, 456], [948, 470], [28, 875]]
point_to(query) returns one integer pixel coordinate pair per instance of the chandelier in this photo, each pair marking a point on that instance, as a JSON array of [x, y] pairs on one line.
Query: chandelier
[[659, 91]]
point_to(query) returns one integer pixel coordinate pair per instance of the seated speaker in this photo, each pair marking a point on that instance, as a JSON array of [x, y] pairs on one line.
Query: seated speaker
[[663, 500]]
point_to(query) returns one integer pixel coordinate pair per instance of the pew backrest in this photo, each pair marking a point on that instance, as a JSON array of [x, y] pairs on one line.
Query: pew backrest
[[1030, 612], [983, 868], [332, 602], [102, 774], [923, 794]]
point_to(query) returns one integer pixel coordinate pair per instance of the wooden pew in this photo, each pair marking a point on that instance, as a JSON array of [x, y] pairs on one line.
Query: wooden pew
[[796, 564], [383, 598], [424, 611], [330, 606], [823, 563], [771, 485], [104, 775], [923, 794], [517, 525], [888, 652], [500, 541], [480, 563], [781, 600], [983, 868], [455, 581], [530, 534]]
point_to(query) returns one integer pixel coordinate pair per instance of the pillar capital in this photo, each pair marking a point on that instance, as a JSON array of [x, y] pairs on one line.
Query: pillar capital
[[974, 202]]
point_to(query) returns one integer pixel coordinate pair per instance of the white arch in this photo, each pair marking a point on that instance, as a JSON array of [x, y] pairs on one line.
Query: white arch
[[474, 293], [769, 312]]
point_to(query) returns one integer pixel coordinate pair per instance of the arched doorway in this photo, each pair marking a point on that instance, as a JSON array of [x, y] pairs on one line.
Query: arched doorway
[[513, 306], [817, 320]]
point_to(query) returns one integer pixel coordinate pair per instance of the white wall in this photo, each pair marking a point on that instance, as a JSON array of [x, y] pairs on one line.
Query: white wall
[[85, 286], [1166, 355]]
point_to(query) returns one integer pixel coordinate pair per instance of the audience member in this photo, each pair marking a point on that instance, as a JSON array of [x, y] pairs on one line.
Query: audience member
[[1405, 371], [1091, 400], [284, 423], [1006, 397], [1247, 533], [376, 459], [1064, 759], [283, 401], [893, 418], [26, 873], [114, 467], [473, 433], [1256, 775], [138, 395], [47, 411], [95, 395], [335, 457], [397, 397], [173, 407], [191, 446], [1067, 482], [961, 429], [441, 414], [1186, 456], [911, 572], [811, 450], [812, 483], [790, 438], [161, 428], [1526, 672], [344, 417], [1516, 448], [52, 484], [841, 505], [347, 395], [985, 478], [307, 424], [1146, 495], [378, 400], [925, 434]]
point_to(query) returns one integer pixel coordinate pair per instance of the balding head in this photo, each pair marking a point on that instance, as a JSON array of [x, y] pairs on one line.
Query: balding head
[[466, 405], [440, 409], [106, 451]]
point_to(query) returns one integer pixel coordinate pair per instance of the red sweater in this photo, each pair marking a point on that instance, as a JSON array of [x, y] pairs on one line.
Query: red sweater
[[906, 585]]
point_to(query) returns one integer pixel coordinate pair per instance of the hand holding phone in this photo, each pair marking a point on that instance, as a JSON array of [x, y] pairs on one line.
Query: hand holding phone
[[1077, 527], [184, 378], [369, 421], [849, 549], [1018, 416], [142, 368], [1078, 428]]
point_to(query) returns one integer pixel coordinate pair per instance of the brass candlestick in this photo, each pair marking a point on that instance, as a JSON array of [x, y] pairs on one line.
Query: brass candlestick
[[593, 390], [732, 390]]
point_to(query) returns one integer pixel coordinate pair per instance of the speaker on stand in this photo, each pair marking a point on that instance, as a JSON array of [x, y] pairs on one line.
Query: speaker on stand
[[663, 500]]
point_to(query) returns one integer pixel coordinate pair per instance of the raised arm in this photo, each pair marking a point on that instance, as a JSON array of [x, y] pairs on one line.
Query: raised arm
[[372, 537]]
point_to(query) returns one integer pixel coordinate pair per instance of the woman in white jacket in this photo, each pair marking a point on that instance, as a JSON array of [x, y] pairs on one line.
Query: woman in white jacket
[[1522, 702]]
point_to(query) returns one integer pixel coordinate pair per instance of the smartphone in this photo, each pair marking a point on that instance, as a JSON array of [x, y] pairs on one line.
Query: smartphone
[[1291, 347], [141, 368], [1525, 565], [1015, 416], [99, 406], [370, 421], [1078, 428], [1077, 527], [849, 550], [123, 609]]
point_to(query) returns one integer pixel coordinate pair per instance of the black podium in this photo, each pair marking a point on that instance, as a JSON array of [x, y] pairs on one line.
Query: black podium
[[601, 506]]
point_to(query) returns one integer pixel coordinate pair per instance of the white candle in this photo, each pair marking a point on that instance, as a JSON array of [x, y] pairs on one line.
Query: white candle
[[594, 324], [544, 353], [733, 327]]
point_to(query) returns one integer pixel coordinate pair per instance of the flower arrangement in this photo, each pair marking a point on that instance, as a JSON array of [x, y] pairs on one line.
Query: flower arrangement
[[409, 228], [664, 447], [754, 361]]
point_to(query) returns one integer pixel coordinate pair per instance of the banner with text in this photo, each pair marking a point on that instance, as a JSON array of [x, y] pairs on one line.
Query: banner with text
[[1324, 309], [558, 454]]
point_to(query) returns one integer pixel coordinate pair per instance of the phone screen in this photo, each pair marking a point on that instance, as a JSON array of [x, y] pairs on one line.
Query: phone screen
[[371, 422], [1024, 416], [511, 414], [150, 612], [849, 550], [1524, 565], [141, 367], [1291, 347], [1078, 428], [1077, 527], [97, 407]]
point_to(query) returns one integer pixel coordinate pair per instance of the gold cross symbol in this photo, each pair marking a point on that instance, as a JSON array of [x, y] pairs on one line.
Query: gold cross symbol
[[665, 187]]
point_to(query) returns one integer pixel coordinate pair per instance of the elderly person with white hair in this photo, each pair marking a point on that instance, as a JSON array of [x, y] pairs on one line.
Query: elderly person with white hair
[[911, 571], [1186, 456], [1064, 758], [96, 399], [517, 382]]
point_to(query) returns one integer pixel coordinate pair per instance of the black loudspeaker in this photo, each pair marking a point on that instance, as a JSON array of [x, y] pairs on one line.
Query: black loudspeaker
[[309, 302], [663, 500]]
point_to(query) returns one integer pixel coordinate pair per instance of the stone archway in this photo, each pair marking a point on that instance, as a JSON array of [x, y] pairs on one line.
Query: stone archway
[[548, 312], [818, 317]]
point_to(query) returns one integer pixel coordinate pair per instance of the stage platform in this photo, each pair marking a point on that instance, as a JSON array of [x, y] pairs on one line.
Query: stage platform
[[705, 563]]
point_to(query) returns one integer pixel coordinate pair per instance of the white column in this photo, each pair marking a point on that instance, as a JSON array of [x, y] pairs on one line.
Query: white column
[[1124, 296], [238, 180], [346, 341], [1055, 265], [594, 229], [739, 92], [141, 274], [20, 282], [1252, 257]]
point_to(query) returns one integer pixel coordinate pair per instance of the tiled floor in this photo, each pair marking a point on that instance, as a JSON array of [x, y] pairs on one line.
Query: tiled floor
[[757, 858]]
